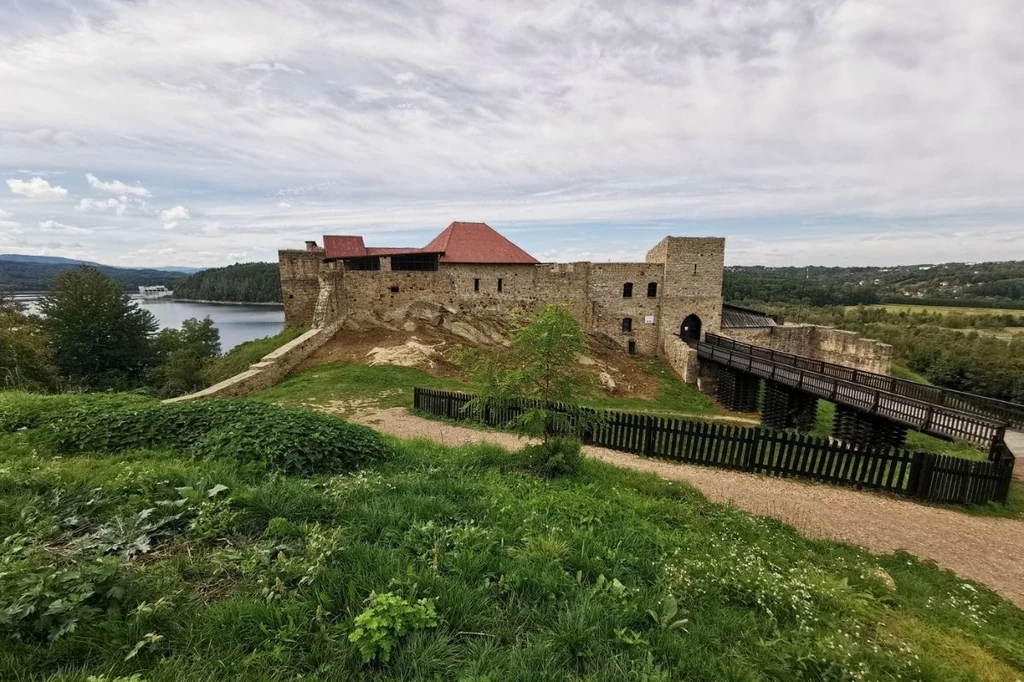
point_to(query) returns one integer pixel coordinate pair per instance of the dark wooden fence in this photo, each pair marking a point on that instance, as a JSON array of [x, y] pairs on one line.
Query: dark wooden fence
[[1008, 413], [776, 453]]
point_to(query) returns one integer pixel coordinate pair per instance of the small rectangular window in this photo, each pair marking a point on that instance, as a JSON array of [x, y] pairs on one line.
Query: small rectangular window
[[476, 285], [695, 268], [627, 324], [627, 290], [500, 284], [632, 347], [394, 290], [652, 290]]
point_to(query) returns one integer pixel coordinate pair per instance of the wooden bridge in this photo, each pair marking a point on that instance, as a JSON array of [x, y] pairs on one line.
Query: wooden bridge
[[951, 415]]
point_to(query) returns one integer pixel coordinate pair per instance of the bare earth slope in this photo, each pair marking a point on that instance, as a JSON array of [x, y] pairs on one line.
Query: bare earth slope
[[985, 549]]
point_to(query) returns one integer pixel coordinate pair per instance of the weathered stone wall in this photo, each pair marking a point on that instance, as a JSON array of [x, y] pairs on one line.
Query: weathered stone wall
[[692, 282], [687, 274], [610, 307], [682, 359], [821, 343], [269, 370], [300, 285]]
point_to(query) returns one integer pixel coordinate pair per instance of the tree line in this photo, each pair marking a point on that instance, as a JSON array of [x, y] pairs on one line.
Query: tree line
[[238, 283], [91, 336], [930, 344]]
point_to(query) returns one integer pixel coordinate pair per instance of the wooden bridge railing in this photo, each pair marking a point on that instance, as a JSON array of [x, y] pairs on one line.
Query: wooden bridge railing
[[1009, 413], [935, 420]]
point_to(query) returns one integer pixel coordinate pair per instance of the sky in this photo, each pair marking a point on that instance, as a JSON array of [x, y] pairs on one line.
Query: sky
[[205, 132]]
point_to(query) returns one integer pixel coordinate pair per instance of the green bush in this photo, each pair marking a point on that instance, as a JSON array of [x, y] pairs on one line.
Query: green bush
[[389, 618], [20, 410], [557, 457], [291, 440]]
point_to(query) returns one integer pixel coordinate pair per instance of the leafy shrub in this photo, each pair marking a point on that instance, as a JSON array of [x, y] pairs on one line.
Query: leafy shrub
[[31, 410], [39, 600], [291, 440], [557, 457], [389, 618]]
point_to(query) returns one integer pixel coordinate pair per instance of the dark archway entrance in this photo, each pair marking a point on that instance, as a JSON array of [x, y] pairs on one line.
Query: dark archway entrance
[[689, 330]]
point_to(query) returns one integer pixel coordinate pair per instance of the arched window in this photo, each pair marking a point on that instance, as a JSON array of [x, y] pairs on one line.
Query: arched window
[[627, 324], [627, 290], [689, 330], [652, 290]]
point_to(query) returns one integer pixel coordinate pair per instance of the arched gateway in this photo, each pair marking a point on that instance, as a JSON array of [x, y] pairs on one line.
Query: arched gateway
[[689, 330]]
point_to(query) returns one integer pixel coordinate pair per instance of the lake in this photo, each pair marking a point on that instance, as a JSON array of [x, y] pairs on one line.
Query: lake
[[236, 323]]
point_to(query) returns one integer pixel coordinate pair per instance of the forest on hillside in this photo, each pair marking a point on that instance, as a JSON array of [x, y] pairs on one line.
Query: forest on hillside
[[238, 283], [17, 277], [981, 285]]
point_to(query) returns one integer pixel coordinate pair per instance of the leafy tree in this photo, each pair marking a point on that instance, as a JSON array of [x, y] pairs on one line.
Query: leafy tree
[[98, 336], [24, 352], [184, 354], [541, 365]]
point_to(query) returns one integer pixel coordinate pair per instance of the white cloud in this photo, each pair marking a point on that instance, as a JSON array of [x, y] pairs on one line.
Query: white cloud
[[4, 215], [36, 188], [116, 205], [176, 213], [284, 204], [116, 187], [54, 226], [601, 116]]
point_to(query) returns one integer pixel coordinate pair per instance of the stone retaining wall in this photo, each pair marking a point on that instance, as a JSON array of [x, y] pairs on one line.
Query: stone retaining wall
[[269, 370], [820, 343]]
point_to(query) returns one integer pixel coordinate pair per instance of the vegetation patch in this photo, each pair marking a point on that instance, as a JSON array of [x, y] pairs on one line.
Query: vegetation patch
[[238, 359], [285, 439], [449, 563]]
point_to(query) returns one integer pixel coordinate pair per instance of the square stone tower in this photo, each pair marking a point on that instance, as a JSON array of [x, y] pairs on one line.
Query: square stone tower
[[691, 301]]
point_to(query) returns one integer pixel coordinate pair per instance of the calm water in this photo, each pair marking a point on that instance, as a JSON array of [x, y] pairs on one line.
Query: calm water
[[236, 323]]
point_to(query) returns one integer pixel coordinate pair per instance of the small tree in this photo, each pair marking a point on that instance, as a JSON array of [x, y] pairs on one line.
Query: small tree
[[183, 354], [98, 336], [542, 365], [24, 351]]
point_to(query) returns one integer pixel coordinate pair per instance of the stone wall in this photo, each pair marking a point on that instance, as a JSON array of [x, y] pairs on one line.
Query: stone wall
[[821, 343], [269, 370], [686, 274], [682, 359]]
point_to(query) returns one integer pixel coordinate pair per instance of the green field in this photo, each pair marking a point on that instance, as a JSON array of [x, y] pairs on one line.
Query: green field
[[917, 309], [163, 564]]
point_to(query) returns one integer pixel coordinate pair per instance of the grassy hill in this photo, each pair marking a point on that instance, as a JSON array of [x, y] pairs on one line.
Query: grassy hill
[[168, 563]]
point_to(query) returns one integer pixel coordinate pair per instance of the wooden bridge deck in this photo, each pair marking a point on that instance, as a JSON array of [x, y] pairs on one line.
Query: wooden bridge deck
[[921, 415]]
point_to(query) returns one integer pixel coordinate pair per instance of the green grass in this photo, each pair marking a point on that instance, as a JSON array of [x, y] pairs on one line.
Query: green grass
[[674, 396], [239, 358], [570, 579], [903, 372], [344, 385]]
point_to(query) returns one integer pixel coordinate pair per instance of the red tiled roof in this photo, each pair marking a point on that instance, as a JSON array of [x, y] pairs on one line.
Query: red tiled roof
[[343, 246], [459, 243], [477, 243]]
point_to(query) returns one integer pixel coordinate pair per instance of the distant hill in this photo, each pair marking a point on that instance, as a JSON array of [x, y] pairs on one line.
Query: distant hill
[[31, 275], [240, 283], [983, 285]]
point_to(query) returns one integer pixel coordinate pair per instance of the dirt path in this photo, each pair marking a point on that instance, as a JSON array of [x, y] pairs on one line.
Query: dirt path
[[985, 549]]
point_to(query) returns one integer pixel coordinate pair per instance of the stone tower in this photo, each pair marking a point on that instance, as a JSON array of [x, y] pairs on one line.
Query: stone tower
[[691, 301]]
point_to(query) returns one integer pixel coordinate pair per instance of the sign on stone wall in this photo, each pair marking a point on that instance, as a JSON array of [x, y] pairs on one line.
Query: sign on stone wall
[[649, 319]]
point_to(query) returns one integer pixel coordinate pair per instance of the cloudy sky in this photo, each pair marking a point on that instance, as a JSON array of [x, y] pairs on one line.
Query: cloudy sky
[[201, 132]]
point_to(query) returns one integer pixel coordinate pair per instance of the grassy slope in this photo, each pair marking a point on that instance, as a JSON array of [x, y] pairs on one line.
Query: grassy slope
[[514, 564], [389, 386], [241, 356], [903, 372], [900, 307]]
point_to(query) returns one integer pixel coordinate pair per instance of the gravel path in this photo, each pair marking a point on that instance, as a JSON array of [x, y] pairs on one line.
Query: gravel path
[[985, 549]]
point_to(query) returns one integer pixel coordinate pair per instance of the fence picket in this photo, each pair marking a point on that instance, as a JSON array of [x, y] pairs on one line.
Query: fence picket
[[759, 450]]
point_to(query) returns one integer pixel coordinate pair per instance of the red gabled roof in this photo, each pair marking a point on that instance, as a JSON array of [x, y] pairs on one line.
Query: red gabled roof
[[477, 243], [343, 246], [459, 243]]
